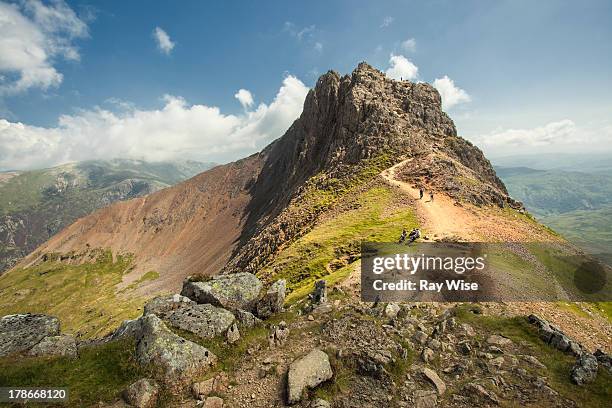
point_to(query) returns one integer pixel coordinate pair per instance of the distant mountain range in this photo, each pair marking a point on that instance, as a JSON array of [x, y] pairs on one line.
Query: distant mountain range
[[577, 204], [34, 205]]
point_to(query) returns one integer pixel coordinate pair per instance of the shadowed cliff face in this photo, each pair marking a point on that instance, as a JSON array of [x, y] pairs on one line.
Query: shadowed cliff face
[[243, 212], [347, 120]]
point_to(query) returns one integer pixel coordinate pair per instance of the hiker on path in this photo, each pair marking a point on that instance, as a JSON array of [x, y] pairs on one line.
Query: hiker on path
[[403, 236], [420, 193], [414, 235], [431, 196]]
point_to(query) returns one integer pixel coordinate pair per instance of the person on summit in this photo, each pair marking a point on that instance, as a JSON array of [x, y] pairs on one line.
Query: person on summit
[[420, 193], [413, 236]]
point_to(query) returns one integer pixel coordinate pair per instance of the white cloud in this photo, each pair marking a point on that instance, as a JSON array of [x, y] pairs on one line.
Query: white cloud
[[387, 21], [451, 94], [299, 33], [32, 36], [164, 43], [245, 97], [563, 136], [318, 47], [561, 132], [401, 68], [178, 130], [409, 45]]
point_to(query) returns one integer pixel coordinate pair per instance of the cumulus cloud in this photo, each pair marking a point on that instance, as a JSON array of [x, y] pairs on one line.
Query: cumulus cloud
[[32, 36], [409, 45], [245, 98], [178, 130], [561, 132], [554, 137], [164, 43], [401, 67], [387, 21], [450, 93]]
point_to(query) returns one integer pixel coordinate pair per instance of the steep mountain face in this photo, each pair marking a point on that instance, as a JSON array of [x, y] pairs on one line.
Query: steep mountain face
[[241, 214], [35, 205]]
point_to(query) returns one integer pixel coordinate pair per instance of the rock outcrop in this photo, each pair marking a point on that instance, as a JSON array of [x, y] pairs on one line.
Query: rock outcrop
[[64, 345], [142, 394], [307, 372], [238, 291], [21, 332], [179, 359]]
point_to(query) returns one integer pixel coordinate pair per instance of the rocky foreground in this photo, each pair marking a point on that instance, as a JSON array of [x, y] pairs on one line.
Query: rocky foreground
[[326, 350]]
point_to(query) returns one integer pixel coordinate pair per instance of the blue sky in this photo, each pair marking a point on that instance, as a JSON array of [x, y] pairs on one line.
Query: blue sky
[[526, 76]]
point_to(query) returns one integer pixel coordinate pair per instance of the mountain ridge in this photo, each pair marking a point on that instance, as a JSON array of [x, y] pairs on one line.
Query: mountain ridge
[[347, 121], [36, 204]]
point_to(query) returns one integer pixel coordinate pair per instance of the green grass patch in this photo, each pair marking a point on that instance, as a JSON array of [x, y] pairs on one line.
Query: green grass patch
[[99, 374], [309, 258], [82, 296]]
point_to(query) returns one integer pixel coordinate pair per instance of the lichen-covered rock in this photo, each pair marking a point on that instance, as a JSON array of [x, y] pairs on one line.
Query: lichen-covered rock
[[63, 345], [246, 319], [161, 306], [272, 301], [319, 294], [585, 369], [21, 332], [391, 310], [128, 328], [213, 402], [179, 359], [232, 291], [232, 334], [142, 394], [205, 321], [604, 359], [307, 372]]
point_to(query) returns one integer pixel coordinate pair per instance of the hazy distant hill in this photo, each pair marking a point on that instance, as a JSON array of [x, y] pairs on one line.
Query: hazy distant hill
[[36, 204], [576, 204]]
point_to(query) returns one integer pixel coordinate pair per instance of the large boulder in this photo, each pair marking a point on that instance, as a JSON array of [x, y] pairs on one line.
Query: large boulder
[[307, 372], [161, 306], [232, 292], [179, 359], [585, 369], [272, 301], [205, 321], [142, 394], [63, 345], [128, 328], [21, 332]]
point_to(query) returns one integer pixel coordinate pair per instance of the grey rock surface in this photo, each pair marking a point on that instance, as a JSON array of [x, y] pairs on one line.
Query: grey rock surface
[[63, 345], [232, 291], [272, 301], [21, 332], [142, 394], [205, 321], [307, 372], [179, 359]]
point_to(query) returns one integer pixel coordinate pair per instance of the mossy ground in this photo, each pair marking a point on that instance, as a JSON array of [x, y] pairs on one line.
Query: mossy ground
[[99, 374], [82, 296], [322, 252], [558, 364]]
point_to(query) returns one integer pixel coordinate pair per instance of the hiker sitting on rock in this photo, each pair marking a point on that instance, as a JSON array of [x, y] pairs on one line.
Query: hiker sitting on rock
[[403, 236], [413, 236]]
